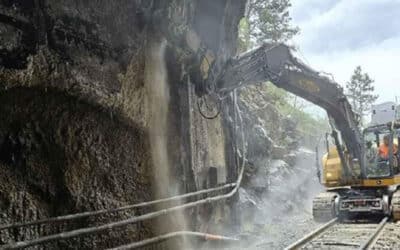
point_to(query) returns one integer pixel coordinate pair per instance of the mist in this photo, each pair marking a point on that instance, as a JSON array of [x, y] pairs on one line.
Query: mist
[[284, 212]]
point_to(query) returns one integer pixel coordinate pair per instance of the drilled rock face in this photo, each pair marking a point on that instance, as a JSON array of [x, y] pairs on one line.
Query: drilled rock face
[[74, 113]]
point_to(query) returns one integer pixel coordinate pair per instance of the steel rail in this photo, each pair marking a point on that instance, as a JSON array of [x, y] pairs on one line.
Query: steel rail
[[113, 210], [311, 235], [381, 225], [163, 237]]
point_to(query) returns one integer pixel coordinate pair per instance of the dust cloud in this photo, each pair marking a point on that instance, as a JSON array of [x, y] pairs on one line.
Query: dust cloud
[[284, 213]]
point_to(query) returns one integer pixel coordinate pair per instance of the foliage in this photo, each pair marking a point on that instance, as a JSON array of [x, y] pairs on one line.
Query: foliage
[[261, 96], [306, 122], [266, 21], [360, 91], [269, 21], [244, 41]]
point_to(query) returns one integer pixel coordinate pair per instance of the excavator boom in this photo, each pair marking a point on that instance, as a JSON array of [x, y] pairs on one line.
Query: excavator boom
[[275, 63]]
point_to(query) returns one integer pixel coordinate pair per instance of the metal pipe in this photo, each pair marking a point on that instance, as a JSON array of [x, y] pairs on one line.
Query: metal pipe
[[163, 237], [96, 229], [132, 220], [113, 210]]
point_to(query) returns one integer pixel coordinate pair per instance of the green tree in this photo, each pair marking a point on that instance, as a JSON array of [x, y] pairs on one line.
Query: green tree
[[270, 21], [266, 21], [360, 91], [244, 41]]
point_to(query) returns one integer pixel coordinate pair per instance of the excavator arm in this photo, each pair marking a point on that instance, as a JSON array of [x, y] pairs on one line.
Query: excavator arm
[[275, 63]]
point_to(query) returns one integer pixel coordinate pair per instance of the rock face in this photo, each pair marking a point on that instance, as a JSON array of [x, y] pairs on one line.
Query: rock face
[[60, 155], [75, 109]]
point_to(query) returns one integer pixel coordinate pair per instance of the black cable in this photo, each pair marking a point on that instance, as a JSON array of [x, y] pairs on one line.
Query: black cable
[[211, 91], [213, 116]]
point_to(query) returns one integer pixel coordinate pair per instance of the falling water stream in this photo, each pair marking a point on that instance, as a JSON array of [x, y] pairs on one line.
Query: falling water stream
[[165, 185]]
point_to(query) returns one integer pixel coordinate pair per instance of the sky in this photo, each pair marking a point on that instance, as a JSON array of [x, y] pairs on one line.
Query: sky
[[338, 35]]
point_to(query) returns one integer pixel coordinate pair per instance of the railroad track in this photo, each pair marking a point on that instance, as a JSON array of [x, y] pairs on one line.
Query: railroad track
[[341, 235]]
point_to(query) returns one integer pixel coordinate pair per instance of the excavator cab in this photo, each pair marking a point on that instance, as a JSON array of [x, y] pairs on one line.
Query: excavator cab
[[380, 164], [381, 153]]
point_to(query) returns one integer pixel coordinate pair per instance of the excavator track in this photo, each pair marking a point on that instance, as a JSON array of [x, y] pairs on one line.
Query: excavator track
[[396, 205], [324, 206]]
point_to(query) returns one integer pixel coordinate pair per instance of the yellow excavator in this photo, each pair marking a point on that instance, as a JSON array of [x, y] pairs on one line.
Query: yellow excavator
[[357, 180], [377, 189]]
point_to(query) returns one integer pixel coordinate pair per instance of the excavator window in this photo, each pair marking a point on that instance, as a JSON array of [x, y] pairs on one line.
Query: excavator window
[[381, 156]]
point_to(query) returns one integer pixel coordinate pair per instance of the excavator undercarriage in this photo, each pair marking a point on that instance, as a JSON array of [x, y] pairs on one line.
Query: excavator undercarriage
[[395, 205], [324, 207], [356, 203]]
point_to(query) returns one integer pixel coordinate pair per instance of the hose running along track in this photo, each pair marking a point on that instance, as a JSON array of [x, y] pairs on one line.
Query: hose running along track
[[342, 235]]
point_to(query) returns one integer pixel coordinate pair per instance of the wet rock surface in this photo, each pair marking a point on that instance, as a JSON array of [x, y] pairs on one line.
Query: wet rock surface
[[75, 109]]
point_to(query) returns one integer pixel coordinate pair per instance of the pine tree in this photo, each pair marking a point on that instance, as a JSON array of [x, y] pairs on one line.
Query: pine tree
[[266, 21], [360, 91]]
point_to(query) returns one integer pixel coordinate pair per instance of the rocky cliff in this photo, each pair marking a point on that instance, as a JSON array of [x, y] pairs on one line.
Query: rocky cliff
[[75, 108], [103, 104]]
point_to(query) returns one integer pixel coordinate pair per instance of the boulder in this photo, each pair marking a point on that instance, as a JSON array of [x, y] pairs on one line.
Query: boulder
[[278, 152]]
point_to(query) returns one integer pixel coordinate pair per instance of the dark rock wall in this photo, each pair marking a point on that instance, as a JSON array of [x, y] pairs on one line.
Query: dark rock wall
[[73, 116], [85, 48], [74, 109], [60, 155]]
